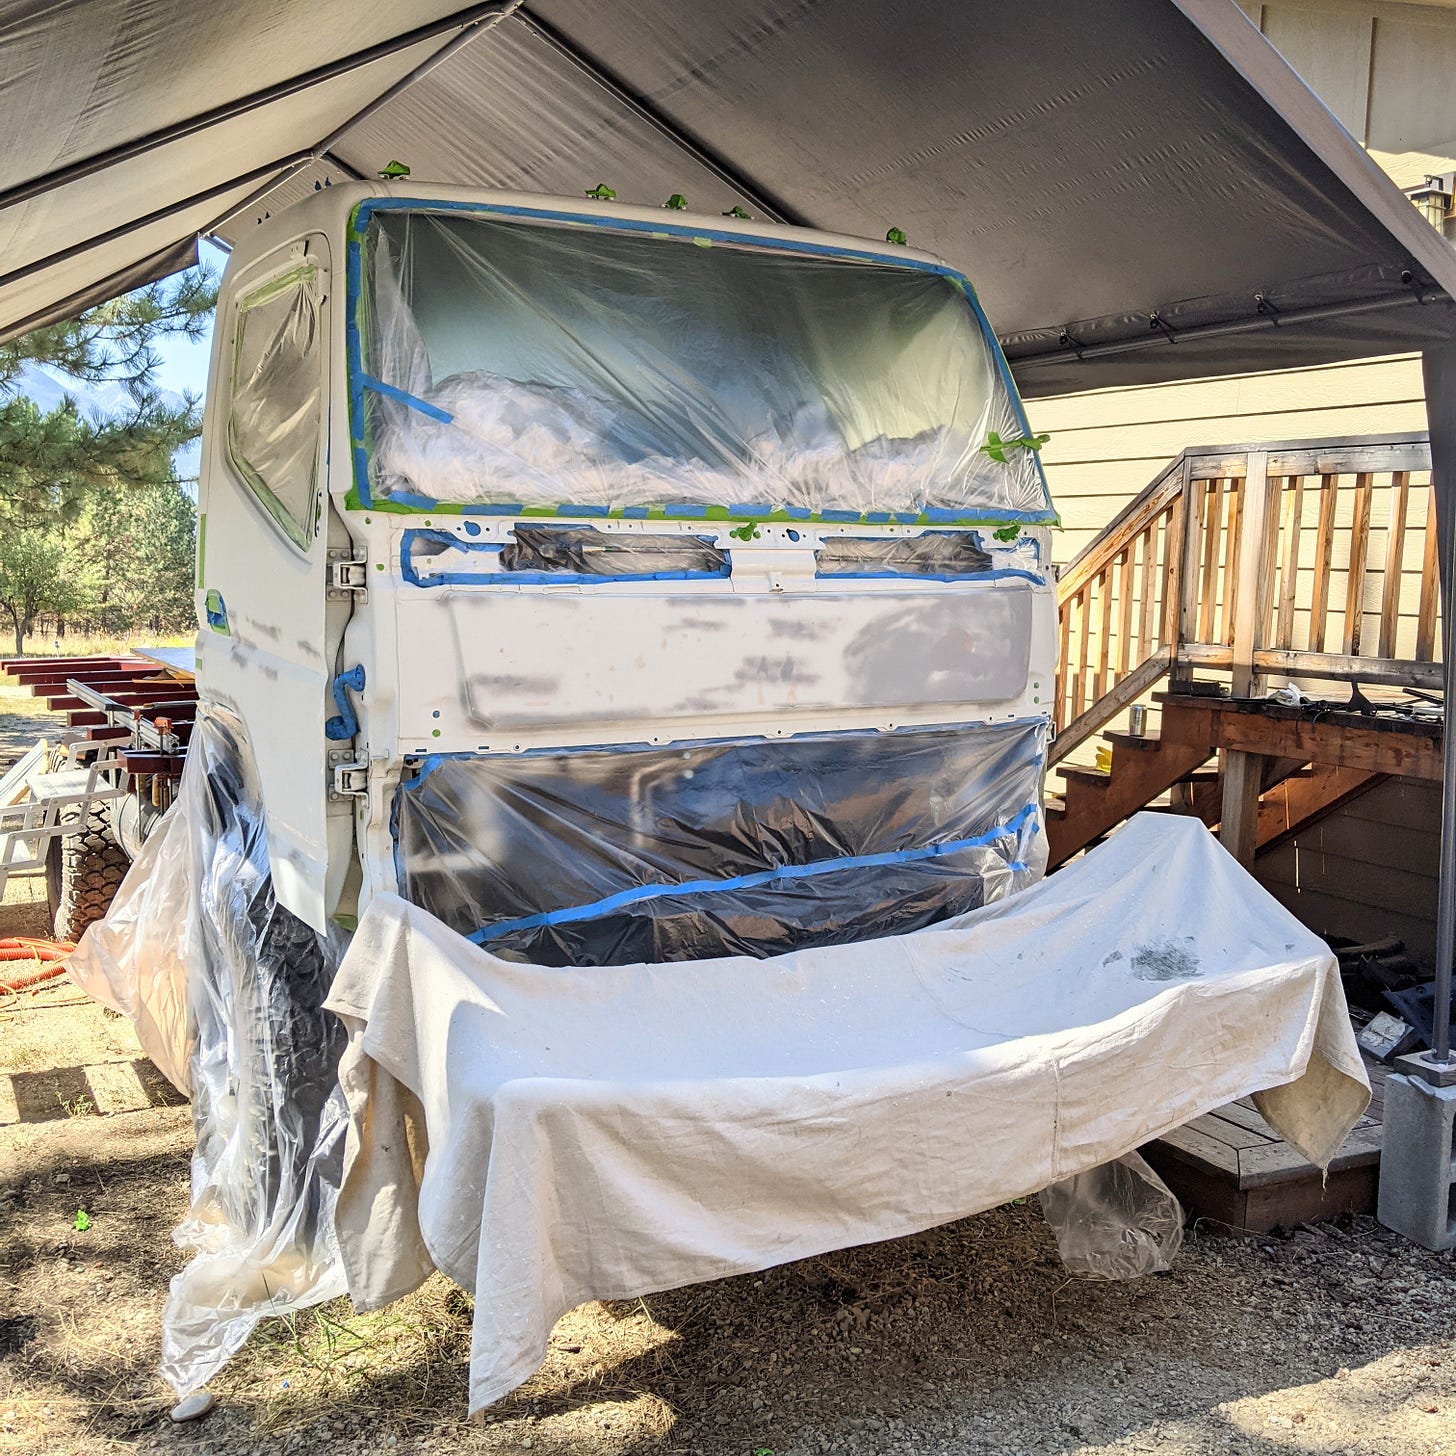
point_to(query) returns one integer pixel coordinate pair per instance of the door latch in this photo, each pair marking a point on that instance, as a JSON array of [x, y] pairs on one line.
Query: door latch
[[348, 575], [348, 776]]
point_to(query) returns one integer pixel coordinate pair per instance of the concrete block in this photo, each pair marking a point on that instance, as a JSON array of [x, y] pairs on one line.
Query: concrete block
[[1418, 1162]]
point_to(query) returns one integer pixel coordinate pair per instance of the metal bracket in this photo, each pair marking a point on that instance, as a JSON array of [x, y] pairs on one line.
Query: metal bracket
[[1425, 1066], [348, 575], [348, 776]]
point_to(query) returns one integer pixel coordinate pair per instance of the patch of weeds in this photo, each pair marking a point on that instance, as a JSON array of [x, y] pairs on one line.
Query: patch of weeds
[[81, 1106], [82, 1221]]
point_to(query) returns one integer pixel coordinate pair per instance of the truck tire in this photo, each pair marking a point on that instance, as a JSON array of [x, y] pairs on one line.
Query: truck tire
[[83, 871]]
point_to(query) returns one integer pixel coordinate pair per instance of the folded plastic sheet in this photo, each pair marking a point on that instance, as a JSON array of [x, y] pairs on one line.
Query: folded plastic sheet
[[547, 1138], [517, 363], [742, 847], [226, 989]]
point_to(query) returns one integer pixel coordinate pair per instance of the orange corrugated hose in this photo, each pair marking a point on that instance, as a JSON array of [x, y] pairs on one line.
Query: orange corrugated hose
[[50, 953]]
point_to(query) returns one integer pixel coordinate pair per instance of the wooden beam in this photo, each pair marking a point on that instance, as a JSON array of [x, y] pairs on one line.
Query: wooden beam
[[1286, 808], [1139, 681], [1374, 750]]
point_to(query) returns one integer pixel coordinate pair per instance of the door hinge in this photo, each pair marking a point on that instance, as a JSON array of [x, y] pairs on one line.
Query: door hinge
[[348, 776], [348, 575]]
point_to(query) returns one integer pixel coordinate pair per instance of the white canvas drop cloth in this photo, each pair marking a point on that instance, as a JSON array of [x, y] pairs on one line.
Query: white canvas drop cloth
[[549, 1136]]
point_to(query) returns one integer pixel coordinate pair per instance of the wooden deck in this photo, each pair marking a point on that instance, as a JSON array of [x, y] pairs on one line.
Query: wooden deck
[[1231, 1168]]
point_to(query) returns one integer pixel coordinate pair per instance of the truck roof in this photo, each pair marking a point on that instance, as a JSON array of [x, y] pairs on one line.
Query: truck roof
[[328, 210]]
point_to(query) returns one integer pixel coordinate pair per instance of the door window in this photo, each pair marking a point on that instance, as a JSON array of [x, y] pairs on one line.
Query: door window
[[275, 414]]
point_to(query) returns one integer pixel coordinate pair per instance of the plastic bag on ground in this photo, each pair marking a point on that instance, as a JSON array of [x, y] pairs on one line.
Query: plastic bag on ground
[[1115, 1221]]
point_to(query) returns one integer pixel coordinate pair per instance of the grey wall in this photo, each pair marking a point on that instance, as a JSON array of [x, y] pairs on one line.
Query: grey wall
[[1368, 870]]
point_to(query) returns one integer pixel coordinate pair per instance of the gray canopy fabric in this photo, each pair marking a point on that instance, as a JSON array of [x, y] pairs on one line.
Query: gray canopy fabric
[[1141, 189]]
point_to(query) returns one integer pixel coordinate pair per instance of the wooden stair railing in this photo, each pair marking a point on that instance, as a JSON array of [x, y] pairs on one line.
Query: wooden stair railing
[[1314, 560]]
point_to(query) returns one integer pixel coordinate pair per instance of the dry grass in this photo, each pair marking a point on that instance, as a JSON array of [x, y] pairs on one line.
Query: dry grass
[[99, 644]]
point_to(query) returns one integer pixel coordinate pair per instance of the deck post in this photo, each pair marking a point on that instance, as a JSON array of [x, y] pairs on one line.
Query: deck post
[[1252, 582]]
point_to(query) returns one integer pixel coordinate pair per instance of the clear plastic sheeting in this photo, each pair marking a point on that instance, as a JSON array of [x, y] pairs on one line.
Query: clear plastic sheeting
[[276, 404], [198, 951], [544, 366], [742, 847], [586, 551], [935, 554], [1115, 1221]]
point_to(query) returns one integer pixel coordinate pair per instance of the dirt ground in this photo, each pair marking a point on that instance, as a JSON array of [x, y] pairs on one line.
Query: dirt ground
[[969, 1339]]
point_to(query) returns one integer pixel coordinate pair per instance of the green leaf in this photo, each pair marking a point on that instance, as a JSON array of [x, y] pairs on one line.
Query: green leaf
[[603, 193], [83, 1221]]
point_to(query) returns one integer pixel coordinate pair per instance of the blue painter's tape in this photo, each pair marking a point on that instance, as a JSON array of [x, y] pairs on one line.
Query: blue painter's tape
[[1005, 573], [423, 406], [778, 875], [354, 367], [346, 723]]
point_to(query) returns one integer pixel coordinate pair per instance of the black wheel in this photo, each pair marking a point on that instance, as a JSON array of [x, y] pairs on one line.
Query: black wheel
[[83, 871]]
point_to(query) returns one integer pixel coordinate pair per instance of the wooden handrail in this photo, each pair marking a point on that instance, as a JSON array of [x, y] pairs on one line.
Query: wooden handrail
[[1255, 560]]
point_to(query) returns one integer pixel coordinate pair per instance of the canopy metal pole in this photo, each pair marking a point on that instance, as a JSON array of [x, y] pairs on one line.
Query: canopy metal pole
[[1159, 338], [1439, 367], [1446, 894], [190, 126], [161, 214]]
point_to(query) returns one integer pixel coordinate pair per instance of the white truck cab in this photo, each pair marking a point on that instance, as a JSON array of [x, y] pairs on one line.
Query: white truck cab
[[620, 583]]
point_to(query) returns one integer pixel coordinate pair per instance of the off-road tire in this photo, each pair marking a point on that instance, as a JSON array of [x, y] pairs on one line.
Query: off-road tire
[[83, 871]]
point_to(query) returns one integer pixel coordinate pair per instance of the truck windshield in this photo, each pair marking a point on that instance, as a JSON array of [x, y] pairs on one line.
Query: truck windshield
[[513, 363]]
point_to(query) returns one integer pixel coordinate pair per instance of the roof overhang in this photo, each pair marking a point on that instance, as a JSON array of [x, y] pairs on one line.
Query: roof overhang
[[1141, 190]]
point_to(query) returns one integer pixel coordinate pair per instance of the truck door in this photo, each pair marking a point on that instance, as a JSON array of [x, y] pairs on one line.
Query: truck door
[[267, 632]]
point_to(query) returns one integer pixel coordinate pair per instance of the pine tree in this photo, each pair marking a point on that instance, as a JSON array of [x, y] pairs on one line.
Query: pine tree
[[94, 521], [49, 460]]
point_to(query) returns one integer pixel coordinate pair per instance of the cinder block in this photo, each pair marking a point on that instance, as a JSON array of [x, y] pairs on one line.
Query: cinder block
[[1418, 1151]]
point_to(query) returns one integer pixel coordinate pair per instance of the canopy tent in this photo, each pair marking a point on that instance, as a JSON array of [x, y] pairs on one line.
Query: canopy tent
[[1142, 190], [1134, 185]]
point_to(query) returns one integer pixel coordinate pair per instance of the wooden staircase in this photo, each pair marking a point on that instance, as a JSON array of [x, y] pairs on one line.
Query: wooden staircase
[[1240, 564]]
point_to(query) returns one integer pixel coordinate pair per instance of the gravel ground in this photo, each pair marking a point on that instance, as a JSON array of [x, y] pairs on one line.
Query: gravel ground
[[966, 1340]]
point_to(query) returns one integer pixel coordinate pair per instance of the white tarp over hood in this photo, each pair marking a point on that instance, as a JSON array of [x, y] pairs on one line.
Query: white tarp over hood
[[1093, 167], [549, 1136]]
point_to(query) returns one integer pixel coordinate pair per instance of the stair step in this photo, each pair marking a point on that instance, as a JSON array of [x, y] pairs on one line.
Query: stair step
[[1143, 743], [1054, 804], [1082, 774], [1200, 776]]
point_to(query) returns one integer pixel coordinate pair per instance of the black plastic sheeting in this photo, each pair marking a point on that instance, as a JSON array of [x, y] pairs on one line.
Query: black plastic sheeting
[[745, 847], [587, 551]]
